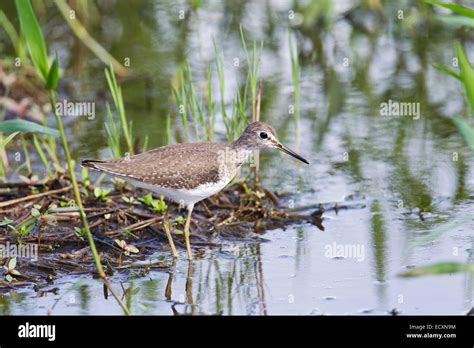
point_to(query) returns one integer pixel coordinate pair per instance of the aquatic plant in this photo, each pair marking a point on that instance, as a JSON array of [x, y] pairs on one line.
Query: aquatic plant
[[466, 71], [112, 131]]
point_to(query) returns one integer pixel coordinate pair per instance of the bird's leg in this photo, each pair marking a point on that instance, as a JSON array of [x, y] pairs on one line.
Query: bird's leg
[[166, 227], [186, 231], [169, 284]]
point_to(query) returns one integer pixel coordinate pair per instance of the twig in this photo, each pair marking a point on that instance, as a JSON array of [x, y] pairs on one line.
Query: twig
[[35, 196]]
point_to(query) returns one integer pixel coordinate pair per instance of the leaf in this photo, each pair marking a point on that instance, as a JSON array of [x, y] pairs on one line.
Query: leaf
[[79, 232], [9, 29], [9, 278], [457, 20], [14, 272], [26, 127], [465, 11], [34, 37], [12, 263], [121, 243], [439, 268], [132, 249], [467, 75], [35, 212], [5, 141], [466, 130], [5, 222], [447, 70], [53, 75]]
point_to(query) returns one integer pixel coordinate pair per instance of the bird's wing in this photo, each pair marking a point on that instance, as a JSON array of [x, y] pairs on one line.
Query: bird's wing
[[173, 166]]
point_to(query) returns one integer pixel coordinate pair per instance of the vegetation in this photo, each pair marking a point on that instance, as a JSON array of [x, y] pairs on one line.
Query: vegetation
[[50, 76]]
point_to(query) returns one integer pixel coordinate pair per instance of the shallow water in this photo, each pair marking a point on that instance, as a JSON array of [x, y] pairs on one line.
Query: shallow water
[[391, 166]]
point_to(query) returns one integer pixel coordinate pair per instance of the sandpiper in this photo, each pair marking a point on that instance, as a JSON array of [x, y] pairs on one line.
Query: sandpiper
[[189, 173]]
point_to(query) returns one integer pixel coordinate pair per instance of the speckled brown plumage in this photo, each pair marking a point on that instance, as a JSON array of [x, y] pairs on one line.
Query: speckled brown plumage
[[183, 166]]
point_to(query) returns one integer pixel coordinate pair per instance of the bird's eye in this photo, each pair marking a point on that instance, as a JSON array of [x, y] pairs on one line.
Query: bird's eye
[[263, 135]]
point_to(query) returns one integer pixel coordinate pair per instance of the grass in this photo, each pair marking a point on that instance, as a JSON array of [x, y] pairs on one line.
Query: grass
[[3, 143], [465, 75], [198, 109], [42, 155], [253, 68], [295, 74], [116, 92], [15, 39], [181, 102]]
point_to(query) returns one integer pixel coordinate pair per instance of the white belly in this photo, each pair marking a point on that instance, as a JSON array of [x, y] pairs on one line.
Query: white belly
[[183, 196]]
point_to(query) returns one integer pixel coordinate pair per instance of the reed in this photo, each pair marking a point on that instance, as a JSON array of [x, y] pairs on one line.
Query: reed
[[295, 74], [180, 96], [112, 131], [116, 92], [42, 155], [466, 71], [253, 63]]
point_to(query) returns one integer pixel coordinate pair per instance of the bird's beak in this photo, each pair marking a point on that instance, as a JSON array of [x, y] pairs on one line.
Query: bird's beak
[[290, 152]]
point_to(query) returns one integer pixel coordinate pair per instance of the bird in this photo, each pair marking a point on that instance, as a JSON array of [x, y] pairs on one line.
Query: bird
[[187, 173]]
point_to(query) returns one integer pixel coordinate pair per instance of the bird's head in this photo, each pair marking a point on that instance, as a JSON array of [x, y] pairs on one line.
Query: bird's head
[[260, 135]]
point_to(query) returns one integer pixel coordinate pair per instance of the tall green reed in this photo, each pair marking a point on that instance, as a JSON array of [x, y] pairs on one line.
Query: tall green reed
[[253, 63], [199, 109], [126, 126], [295, 74]]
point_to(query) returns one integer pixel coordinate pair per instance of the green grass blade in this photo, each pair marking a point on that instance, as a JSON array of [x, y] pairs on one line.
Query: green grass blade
[[41, 154], [466, 130], [34, 37], [116, 92], [5, 141], [447, 70], [467, 75], [26, 154], [27, 127], [439, 269], [53, 75], [465, 11], [220, 75], [12, 34], [457, 20]]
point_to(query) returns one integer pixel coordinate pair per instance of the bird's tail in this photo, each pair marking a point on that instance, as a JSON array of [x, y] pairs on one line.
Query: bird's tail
[[94, 164]]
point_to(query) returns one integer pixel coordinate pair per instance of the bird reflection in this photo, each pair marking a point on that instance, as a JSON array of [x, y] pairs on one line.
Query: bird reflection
[[239, 281]]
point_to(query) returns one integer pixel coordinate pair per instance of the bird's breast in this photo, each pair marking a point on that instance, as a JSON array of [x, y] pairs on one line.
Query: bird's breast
[[229, 162]]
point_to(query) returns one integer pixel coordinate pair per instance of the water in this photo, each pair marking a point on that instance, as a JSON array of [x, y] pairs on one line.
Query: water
[[393, 166]]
